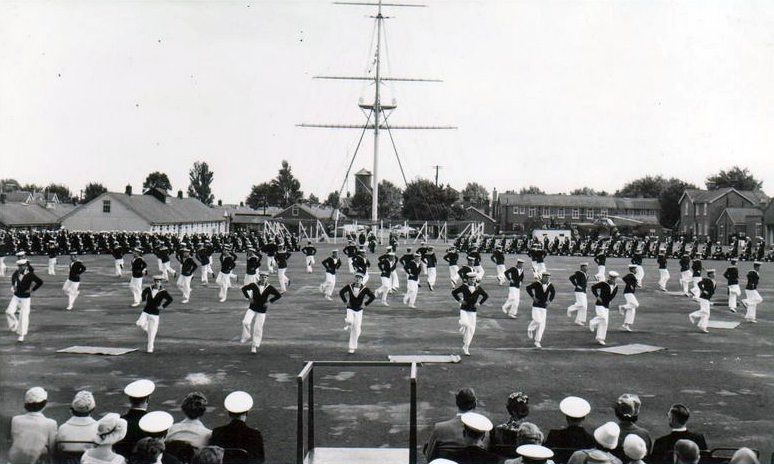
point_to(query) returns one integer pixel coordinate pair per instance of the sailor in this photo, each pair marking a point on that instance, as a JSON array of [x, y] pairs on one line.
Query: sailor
[[685, 273], [309, 251], [21, 281], [403, 260], [477, 267], [52, 250], [155, 298], [260, 296], [515, 276], [386, 269], [118, 258], [468, 295], [452, 257], [538, 255], [270, 248], [350, 251], [542, 292], [636, 260], [429, 261], [732, 278], [422, 250], [604, 293], [162, 253], [579, 280], [361, 264], [70, 286], [499, 259], [663, 272], [203, 254], [139, 269], [227, 265], [187, 268], [696, 269], [253, 264], [282, 257], [331, 265], [353, 295], [413, 269], [751, 292], [629, 310], [707, 286]]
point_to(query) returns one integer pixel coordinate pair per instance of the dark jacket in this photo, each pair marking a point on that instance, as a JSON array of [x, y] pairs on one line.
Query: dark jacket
[[138, 267], [355, 303], [152, 304], [603, 293], [752, 280], [707, 287], [468, 298], [413, 270], [542, 297], [330, 265], [732, 275], [515, 278], [133, 432], [631, 283], [570, 439], [451, 258], [22, 282], [258, 300], [470, 454], [237, 434], [76, 269], [663, 447], [579, 280], [189, 266]]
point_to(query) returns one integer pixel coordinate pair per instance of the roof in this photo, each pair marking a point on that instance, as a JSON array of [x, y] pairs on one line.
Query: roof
[[481, 213], [174, 211], [740, 215], [580, 201], [234, 210], [635, 221], [27, 215], [756, 197], [19, 196], [317, 211], [363, 172]]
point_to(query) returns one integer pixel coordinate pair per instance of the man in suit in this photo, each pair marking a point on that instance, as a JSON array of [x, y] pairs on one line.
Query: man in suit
[[473, 449], [448, 434], [663, 448], [579, 281], [139, 393], [260, 295], [542, 292], [237, 434], [468, 295], [515, 276], [573, 437]]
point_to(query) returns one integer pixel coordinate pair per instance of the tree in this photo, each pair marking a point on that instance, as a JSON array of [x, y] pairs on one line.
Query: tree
[[585, 191], [31, 188], [9, 185], [475, 193], [92, 191], [61, 191], [668, 192], [532, 189], [157, 180], [313, 200], [646, 187], [423, 200], [736, 177], [287, 186], [201, 180], [333, 200], [390, 198], [263, 194]]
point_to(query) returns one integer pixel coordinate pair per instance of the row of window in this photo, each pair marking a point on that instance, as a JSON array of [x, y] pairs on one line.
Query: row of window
[[576, 213], [698, 209]]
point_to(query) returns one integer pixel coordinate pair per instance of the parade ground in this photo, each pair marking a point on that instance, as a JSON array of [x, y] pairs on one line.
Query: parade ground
[[726, 377]]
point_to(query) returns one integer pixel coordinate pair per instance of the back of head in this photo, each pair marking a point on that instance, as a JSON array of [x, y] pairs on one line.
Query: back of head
[[194, 405], [679, 414], [686, 452], [518, 405], [209, 455], [744, 456], [529, 434], [466, 399], [147, 451], [627, 407]]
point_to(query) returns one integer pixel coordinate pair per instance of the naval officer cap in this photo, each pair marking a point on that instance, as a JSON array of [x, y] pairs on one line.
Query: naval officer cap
[[535, 452], [21, 262], [140, 388], [575, 407], [471, 274], [520, 261], [757, 263], [476, 421], [613, 274], [263, 273], [156, 422], [238, 402], [158, 277]]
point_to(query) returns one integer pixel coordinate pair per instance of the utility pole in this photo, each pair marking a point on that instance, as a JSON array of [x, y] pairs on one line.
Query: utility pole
[[436, 173]]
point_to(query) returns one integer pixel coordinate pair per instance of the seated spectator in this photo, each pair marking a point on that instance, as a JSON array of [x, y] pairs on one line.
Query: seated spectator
[[155, 425], [110, 430], [634, 449], [33, 435], [532, 454], [237, 434], [472, 451], [574, 437], [686, 452], [448, 434], [664, 446], [191, 429], [147, 451], [209, 455], [606, 438], [503, 437], [744, 456], [81, 427], [139, 393], [627, 410]]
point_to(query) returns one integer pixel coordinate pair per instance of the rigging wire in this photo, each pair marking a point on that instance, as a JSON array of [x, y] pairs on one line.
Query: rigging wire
[[362, 134]]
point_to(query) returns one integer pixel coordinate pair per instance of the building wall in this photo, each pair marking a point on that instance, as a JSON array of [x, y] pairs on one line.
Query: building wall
[[92, 217], [700, 219], [513, 214]]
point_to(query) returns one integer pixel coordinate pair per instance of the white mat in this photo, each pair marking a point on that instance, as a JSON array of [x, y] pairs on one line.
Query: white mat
[[96, 350], [722, 325], [425, 358], [634, 348]]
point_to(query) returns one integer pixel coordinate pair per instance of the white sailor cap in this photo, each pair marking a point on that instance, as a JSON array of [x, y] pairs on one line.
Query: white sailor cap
[[156, 422], [534, 452], [263, 273], [572, 406], [238, 402], [334, 250], [391, 253], [584, 264], [358, 274], [710, 271], [140, 388], [612, 274], [548, 274], [471, 274], [520, 261], [442, 461], [21, 262], [21, 253], [476, 421], [417, 255], [138, 250], [632, 266], [158, 277], [757, 263]]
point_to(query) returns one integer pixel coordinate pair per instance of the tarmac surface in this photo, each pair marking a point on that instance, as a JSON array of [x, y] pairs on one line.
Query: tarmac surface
[[726, 377]]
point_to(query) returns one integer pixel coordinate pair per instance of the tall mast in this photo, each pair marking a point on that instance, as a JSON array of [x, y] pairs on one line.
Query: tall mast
[[377, 111]]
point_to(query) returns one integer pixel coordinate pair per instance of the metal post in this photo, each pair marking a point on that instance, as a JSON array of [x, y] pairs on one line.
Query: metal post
[[377, 111], [310, 413], [413, 416], [300, 421]]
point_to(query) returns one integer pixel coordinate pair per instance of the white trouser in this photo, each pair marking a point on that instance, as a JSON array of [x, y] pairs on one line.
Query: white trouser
[[271, 263], [685, 280], [384, 289], [630, 307], [479, 270], [329, 284], [600, 272], [283, 279], [733, 293], [366, 277], [540, 268], [162, 269], [511, 305], [2, 266], [21, 324], [639, 274], [501, 273], [309, 264], [206, 271], [135, 285], [354, 320], [71, 290], [581, 305], [51, 266], [537, 325], [599, 322], [455, 278], [663, 278], [251, 278], [752, 300], [119, 263], [423, 266], [394, 281], [695, 289], [703, 314], [255, 332], [412, 287], [184, 284], [468, 326], [150, 324], [224, 282], [431, 276], [351, 268]]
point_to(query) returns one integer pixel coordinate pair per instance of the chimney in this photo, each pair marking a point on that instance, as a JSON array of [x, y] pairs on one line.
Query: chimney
[[2, 198], [128, 190], [220, 202], [180, 194], [241, 203], [710, 185]]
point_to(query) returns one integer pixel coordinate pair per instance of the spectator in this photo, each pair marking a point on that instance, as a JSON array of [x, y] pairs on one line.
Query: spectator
[[533, 454], [448, 434], [139, 393], [147, 451], [574, 437], [634, 449], [627, 410], [110, 430], [472, 451], [237, 434], [191, 429], [503, 437], [33, 435], [209, 455], [155, 425], [81, 427], [664, 446], [527, 434], [744, 456], [686, 452], [606, 438]]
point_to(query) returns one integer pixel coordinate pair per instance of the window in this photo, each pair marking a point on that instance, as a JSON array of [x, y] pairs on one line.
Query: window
[[522, 210], [603, 213], [515, 210], [546, 212], [576, 213], [560, 213], [705, 209], [105, 206], [686, 209], [294, 211], [589, 213], [531, 211]]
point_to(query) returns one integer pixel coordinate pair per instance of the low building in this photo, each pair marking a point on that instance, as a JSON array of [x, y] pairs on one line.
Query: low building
[[153, 211], [309, 213], [738, 221], [768, 222], [23, 210], [700, 210], [475, 214], [244, 218]]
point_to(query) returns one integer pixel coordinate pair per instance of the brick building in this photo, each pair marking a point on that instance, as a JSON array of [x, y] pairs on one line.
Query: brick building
[[701, 210]]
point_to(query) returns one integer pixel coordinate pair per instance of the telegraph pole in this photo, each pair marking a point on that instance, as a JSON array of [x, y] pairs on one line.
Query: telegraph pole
[[436, 173]]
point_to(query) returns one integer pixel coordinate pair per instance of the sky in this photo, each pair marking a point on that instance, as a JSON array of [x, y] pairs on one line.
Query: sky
[[560, 94]]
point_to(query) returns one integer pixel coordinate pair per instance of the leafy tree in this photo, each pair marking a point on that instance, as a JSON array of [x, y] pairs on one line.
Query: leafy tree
[[736, 177], [287, 186], [423, 200], [31, 188], [263, 194], [475, 193], [668, 192], [61, 191], [532, 189], [157, 180], [313, 200], [9, 185], [360, 205], [333, 200], [645, 187], [585, 191], [390, 198], [201, 180], [92, 191]]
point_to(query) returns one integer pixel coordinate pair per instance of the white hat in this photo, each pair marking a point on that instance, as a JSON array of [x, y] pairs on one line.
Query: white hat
[[634, 447], [83, 402], [710, 271], [757, 263], [21, 253], [471, 274], [575, 407], [612, 274], [158, 277], [238, 402], [534, 452], [607, 435], [140, 388], [21, 262], [263, 273], [519, 260], [441, 461], [35, 395], [110, 429], [359, 274], [476, 421], [156, 422], [584, 264]]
